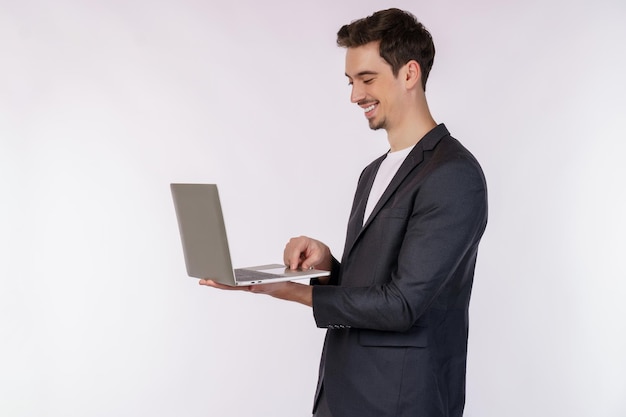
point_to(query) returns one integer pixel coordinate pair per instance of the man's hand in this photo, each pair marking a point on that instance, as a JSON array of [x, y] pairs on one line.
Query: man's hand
[[288, 290], [304, 252], [300, 253], [210, 283]]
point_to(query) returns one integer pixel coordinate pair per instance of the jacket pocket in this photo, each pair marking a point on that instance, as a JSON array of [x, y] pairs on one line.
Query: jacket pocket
[[416, 337]]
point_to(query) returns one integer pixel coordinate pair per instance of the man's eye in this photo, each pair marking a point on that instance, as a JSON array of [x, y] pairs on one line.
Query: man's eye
[[368, 81]]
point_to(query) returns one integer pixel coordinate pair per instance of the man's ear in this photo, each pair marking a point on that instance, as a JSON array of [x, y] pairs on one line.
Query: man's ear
[[413, 74]]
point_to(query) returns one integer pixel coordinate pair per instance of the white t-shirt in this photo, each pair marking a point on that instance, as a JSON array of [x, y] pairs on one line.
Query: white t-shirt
[[387, 170]]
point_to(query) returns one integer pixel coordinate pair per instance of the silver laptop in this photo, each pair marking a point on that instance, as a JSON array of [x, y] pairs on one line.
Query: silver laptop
[[205, 245]]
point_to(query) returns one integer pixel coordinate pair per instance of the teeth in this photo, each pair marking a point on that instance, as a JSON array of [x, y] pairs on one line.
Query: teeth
[[370, 108]]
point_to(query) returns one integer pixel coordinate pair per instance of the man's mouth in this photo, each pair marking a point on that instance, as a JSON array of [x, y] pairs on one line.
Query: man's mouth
[[369, 108]]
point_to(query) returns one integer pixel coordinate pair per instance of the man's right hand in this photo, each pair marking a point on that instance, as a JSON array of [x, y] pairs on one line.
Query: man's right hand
[[304, 253]]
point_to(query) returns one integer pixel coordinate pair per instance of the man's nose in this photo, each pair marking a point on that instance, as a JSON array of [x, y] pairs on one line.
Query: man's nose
[[357, 94]]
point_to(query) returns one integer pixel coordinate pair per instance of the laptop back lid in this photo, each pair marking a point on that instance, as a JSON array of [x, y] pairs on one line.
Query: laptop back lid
[[203, 232]]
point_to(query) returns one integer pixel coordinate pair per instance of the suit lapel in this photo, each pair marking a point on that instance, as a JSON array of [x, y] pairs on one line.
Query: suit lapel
[[355, 223], [410, 163], [356, 226]]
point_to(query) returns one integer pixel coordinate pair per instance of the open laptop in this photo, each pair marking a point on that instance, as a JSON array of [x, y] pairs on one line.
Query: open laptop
[[205, 245]]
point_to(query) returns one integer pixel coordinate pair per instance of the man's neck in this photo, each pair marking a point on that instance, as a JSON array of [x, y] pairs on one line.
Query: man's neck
[[410, 132]]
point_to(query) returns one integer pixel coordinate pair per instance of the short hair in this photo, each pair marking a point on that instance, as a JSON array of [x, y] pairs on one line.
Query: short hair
[[402, 38]]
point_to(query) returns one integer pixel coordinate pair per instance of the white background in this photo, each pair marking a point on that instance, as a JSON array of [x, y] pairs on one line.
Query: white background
[[104, 103]]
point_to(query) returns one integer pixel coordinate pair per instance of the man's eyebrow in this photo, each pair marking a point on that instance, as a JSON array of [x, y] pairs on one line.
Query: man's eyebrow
[[363, 74]]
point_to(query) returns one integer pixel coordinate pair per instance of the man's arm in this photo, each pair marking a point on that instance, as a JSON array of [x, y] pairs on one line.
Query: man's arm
[[300, 253], [438, 246], [290, 291]]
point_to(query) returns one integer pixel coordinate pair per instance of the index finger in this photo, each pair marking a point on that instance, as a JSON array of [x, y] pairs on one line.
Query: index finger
[[293, 254]]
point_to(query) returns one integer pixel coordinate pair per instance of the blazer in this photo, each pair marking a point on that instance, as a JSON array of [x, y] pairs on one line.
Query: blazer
[[396, 307]]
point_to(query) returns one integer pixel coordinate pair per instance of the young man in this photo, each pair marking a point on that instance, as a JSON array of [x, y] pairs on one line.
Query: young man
[[396, 306]]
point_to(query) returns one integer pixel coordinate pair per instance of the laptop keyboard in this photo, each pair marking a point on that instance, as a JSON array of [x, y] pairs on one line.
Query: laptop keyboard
[[249, 275]]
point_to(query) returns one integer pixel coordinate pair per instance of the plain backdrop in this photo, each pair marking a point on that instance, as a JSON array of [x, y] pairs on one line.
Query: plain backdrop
[[104, 103]]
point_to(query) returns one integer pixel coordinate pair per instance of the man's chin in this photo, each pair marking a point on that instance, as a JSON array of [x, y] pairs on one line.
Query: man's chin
[[376, 126]]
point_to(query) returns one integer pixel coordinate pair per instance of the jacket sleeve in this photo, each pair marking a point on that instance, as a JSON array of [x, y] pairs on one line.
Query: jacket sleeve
[[334, 274], [437, 252]]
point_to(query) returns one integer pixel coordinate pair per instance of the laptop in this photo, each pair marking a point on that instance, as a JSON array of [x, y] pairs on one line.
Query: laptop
[[205, 245]]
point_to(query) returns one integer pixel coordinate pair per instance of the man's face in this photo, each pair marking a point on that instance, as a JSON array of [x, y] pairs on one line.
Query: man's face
[[374, 88]]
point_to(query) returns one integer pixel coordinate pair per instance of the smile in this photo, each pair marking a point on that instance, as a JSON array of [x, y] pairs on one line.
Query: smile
[[369, 108]]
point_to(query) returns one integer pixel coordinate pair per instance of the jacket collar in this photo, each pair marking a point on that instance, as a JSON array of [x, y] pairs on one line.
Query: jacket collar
[[413, 159]]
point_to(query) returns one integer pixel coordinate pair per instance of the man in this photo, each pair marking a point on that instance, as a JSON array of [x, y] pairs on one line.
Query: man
[[396, 307]]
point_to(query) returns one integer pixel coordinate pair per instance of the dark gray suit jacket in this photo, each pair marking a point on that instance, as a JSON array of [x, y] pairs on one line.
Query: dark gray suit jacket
[[396, 308]]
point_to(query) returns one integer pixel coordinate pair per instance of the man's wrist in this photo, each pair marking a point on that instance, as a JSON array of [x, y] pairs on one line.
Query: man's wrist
[[301, 293]]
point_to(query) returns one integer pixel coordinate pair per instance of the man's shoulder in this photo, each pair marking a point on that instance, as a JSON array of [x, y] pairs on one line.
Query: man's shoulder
[[449, 158], [451, 149]]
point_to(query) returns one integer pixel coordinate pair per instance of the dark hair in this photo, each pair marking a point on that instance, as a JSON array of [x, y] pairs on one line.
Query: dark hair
[[402, 38]]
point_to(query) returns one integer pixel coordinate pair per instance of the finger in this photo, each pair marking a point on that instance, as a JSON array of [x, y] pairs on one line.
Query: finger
[[213, 284], [294, 251], [312, 255], [310, 263]]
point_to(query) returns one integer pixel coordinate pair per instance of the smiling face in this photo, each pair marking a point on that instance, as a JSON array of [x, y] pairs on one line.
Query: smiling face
[[374, 87]]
